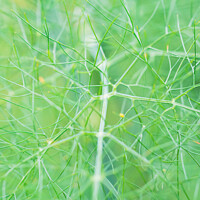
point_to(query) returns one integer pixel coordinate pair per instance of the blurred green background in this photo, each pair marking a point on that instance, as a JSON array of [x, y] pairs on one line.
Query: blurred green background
[[63, 63]]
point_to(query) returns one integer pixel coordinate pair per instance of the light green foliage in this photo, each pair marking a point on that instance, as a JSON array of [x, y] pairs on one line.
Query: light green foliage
[[99, 99]]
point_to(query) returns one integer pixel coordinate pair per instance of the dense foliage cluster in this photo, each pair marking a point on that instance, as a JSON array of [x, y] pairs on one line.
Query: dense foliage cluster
[[99, 99]]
